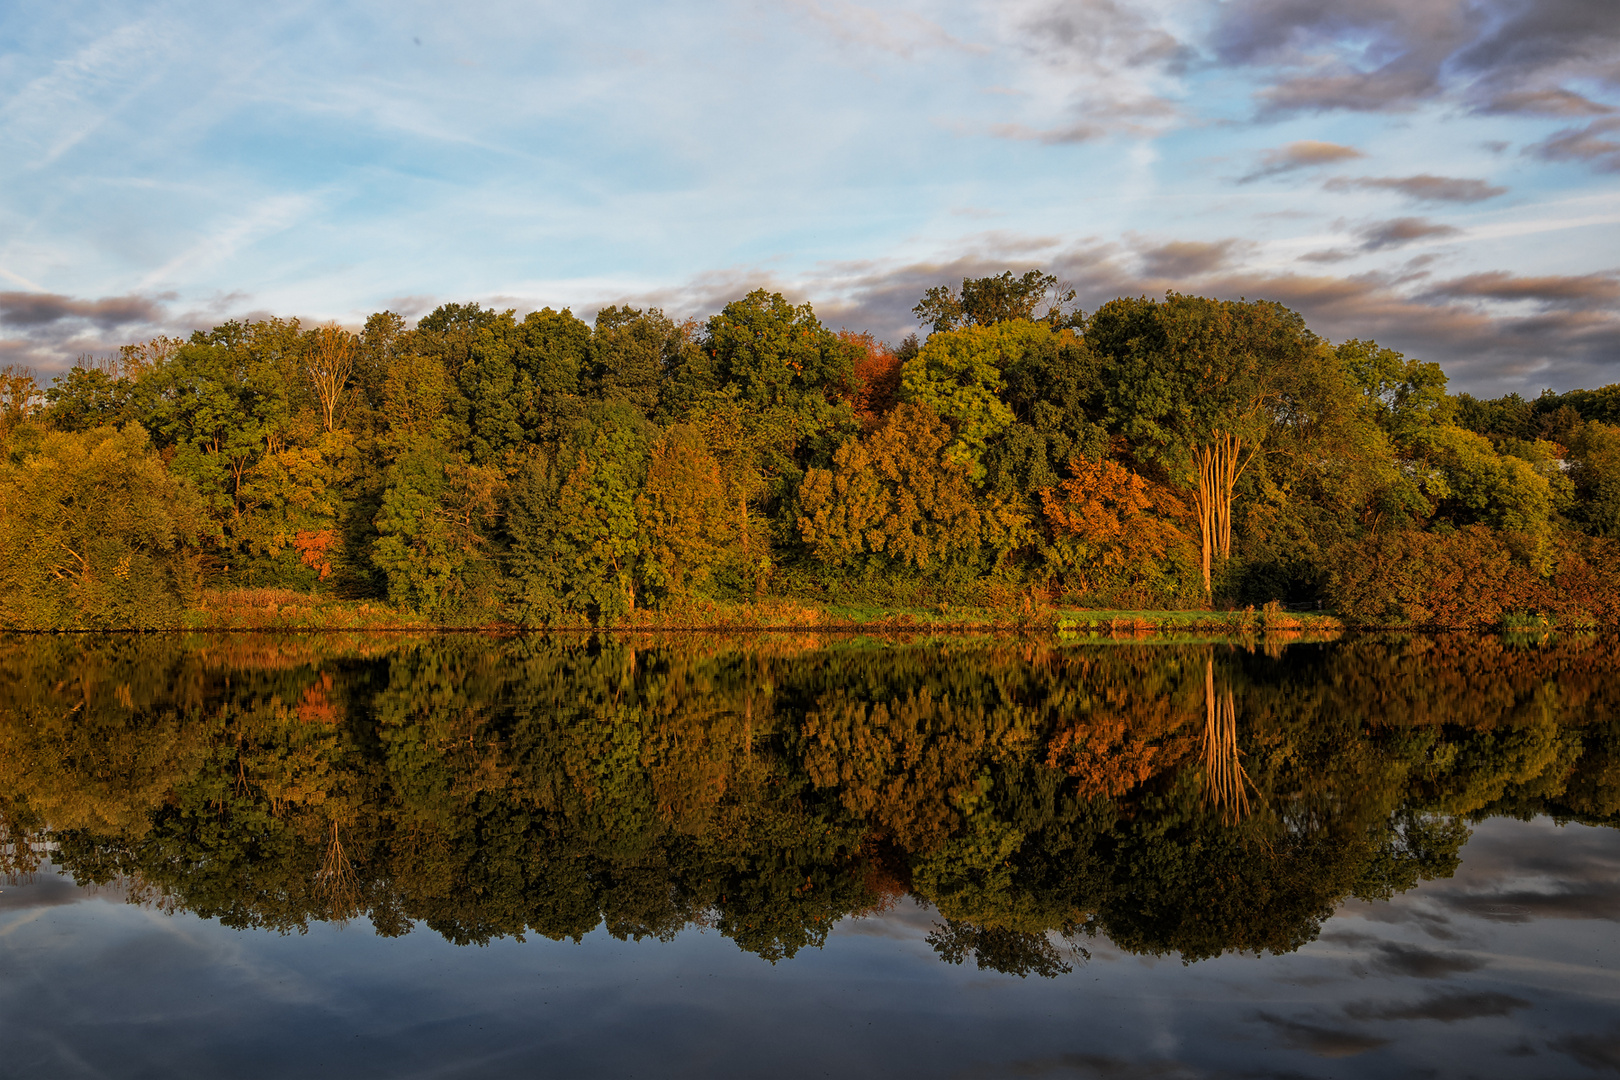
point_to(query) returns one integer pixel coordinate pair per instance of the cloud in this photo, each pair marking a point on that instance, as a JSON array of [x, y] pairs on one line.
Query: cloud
[[1075, 133], [1598, 901], [1422, 188], [1323, 1041], [1590, 144], [1397, 232], [901, 33], [42, 309], [1596, 1052], [1574, 290], [1545, 103], [1306, 154], [1186, 258], [1393, 55], [1446, 1008], [49, 332], [1420, 963], [1099, 64], [1486, 349]]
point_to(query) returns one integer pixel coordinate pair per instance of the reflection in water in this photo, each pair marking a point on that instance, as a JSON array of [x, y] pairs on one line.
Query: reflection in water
[[1173, 799], [1226, 785]]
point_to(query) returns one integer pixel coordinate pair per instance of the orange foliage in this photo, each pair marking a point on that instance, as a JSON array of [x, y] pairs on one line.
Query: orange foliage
[[315, 549], [877, 378], [314, 707], [1108, 521]]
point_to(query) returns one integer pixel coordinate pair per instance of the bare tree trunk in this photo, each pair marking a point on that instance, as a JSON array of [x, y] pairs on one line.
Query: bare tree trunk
[[1220, 464], [329, 361]]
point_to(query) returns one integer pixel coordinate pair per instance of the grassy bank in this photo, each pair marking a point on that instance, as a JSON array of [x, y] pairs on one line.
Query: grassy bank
[[285, 609]]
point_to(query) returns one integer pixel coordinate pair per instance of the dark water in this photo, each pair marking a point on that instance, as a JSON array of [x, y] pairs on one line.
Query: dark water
[[254, 856]]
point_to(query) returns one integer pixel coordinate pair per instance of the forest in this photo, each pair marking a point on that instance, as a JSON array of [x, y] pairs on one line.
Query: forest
[[481, 469], [1177, 799]]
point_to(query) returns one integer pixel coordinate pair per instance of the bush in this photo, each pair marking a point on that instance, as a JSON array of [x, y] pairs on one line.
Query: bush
[[1476, 577]]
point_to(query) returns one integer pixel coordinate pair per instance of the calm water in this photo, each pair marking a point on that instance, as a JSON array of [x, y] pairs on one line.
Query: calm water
[[257, 856]]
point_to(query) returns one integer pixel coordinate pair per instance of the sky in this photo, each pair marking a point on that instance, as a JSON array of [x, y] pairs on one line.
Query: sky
[[1442, 176]]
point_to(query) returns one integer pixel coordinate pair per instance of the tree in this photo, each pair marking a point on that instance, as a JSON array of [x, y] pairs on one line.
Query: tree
[[96, 533], [684, 513], [1113, 532], [989, 300], [575, 542], [631, 350], [1403, 395], [1195, 384], [1595, 456], [433, 528], [957, 375], [776, 356], [898, 493], [329, 359], [19, 399], [1468, 482]]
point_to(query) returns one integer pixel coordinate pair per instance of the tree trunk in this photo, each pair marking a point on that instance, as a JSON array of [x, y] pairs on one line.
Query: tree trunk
[[1220, 463]]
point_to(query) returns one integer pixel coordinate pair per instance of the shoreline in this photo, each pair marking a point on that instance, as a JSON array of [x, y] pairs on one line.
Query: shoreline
[[285, 611]]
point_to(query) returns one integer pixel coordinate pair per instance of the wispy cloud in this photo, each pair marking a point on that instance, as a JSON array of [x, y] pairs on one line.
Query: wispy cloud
[[1422, 188], [1597, 144], [1305, 154]]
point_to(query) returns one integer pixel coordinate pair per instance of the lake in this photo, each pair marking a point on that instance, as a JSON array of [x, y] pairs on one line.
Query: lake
[[803, 855]]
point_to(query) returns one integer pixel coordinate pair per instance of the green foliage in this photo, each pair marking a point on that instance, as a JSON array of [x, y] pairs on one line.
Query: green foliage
[[1404, 395], [481, 467], [576, 543], [989, 300], [1595, 456], [1468, 482], [97, 534], [958, 376], [433, 545]]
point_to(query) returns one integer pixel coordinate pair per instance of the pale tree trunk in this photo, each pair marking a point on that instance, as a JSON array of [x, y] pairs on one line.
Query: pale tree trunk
[[1220, 463], [329, 362]]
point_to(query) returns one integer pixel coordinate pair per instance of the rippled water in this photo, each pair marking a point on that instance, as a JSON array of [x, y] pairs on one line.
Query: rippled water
[[803, 856]]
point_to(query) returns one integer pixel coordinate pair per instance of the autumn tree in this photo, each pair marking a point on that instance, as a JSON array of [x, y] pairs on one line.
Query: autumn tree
[[897, 493], [684, 513], [1114, 532], [96, 533]]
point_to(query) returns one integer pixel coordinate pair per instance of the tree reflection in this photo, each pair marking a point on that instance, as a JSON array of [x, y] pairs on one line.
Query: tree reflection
[[1177, 799]]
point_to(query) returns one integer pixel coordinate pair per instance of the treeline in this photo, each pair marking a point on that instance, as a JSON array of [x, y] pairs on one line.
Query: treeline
[[477, 467], [1177, 799]]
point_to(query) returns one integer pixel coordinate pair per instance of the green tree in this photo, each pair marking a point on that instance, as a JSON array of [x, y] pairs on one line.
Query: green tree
[[989, 300], [575, 541], [96, 534], [1595, 455], [1194, 384], [957, 375]]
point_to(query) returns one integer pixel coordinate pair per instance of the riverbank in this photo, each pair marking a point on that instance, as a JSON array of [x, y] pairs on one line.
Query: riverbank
[[285, 609]]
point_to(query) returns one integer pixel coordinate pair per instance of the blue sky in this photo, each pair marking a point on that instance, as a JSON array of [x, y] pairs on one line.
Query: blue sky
[[1440, 175]]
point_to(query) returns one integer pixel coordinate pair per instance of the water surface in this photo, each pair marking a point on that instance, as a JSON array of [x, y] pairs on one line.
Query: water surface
[[801, 856]]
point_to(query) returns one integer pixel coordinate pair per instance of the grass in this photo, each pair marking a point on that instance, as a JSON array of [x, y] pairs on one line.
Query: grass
[[287, 609]]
